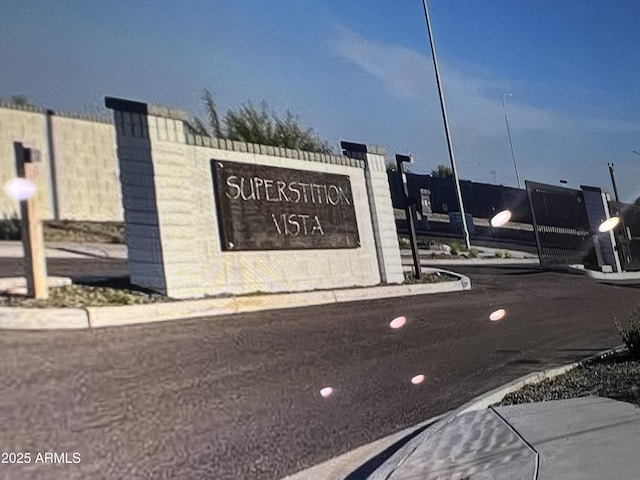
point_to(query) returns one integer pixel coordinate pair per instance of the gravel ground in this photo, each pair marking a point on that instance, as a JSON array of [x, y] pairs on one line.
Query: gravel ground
[[77, 296], [616, 377], [119, 291], [434, 277], [72, 231], [68, 231]]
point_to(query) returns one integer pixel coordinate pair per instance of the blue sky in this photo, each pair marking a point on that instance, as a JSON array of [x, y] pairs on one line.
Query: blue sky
[[361, 71]]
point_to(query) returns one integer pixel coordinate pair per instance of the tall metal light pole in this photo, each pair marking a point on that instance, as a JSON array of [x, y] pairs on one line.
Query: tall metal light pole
[[465, 228], [612, 173], [506, 120]]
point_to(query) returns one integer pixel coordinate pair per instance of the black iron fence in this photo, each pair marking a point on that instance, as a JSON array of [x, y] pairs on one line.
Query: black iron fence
[[561, 225], [627, 234], [482, 200]]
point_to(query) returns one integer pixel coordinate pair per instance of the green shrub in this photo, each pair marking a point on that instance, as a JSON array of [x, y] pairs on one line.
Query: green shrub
[[631, 332], [498, 254], [404, 242], [10, 228], [474, 253], [458, 247], [506, 254]]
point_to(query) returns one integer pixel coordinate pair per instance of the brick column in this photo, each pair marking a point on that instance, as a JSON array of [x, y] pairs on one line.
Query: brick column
[[137, 180], [382, 218]]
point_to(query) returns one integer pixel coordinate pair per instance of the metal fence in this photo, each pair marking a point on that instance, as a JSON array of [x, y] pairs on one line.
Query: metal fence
[[482, 200], [627, 234], [561, 225]]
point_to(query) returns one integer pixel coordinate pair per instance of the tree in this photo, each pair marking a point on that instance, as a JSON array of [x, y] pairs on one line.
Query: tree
[[259, 124], [212, 114], [637, 202], [19, 99], [443, 171]]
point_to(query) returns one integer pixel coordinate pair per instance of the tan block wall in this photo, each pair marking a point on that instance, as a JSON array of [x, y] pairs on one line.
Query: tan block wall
[[384, 225], [145, 256], [29, 128], [193, 261], [86, 169], [86, 164], [279, 270]]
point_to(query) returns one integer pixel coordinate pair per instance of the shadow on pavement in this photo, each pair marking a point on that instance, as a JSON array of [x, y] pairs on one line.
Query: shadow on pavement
[[587, 351], [82, 252], [526, 361], [122, 282], [525, 272], [364, 471], [625, 285]]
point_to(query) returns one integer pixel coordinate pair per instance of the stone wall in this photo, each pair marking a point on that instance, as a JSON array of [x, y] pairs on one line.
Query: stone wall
[[79, 179], [86, 167], [171, 215], [26, 125]]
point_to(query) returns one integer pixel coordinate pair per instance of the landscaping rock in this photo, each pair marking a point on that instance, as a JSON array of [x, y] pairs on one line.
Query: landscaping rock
[[616, 377], [78, 296]]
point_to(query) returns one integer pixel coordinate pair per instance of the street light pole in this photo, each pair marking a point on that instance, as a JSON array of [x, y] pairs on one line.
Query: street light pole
[[506, 121], [410, 212], [612, 172], [465, 228]]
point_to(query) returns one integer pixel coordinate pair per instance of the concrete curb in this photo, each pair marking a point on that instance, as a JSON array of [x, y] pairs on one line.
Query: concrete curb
[[492, 397], [98, 317], [347, 463], [622, 278], [42, 319]]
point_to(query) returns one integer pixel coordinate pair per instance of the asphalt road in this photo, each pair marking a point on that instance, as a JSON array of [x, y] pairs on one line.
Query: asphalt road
[[237, 397]]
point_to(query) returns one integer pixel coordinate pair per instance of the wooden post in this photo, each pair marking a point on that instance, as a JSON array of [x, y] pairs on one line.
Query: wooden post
[[35, 264]]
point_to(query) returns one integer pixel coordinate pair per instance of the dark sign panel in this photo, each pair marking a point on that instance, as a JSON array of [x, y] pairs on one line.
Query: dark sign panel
[[270, 208]]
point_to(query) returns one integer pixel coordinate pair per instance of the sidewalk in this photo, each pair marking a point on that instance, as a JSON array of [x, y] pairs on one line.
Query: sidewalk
[[487, 257], [578, 439], [10, 249], [68, 250], [472, 261]]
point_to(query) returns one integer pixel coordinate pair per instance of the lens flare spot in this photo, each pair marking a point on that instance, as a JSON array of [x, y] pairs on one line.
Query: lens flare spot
[[498, 315], [398, 322], [609, 224], [19, 189], [418, 379], [501, 218], [326, 391]]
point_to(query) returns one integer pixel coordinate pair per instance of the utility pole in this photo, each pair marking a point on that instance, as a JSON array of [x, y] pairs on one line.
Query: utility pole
[[506, 120], [465, 228], [613, 181]]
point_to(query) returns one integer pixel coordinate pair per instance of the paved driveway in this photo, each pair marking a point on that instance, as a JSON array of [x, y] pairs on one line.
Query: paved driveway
[[238, 396]]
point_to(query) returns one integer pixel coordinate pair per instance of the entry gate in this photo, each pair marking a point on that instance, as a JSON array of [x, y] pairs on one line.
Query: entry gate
[[561, 225], [628, 234]]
